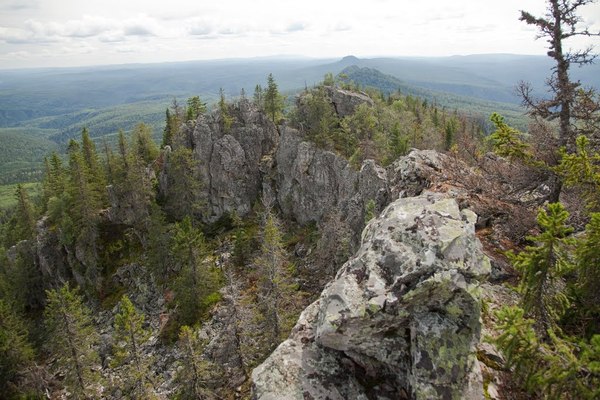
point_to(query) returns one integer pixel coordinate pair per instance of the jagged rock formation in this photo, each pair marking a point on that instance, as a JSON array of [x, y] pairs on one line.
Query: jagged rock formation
[[229, 160], [310, 182], [400, 320]]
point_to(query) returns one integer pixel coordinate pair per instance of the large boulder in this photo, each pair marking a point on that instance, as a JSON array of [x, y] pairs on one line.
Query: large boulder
[[400, 320]]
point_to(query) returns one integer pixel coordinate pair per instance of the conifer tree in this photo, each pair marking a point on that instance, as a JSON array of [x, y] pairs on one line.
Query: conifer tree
[[183, 185], [84, 206], [168, 130], [273, 101], [258, 97], [130, 337], [277, 294], [195, 107], [195, 374], [25, 215], [95, 172], [542, 267], [159, 242], [143, 146], [16, 353], [72, 339], [226, 118], [197, 286]]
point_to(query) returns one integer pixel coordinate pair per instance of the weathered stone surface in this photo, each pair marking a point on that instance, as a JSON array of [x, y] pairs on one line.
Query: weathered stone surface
[[229, 159], [311, 182], [345, 101], [401, 319]]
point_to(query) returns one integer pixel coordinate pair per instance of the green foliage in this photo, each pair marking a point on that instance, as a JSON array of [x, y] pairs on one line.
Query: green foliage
[[183, 186], [542, 267], [277, 291], [196, 287], [507, 141], [72, 339], [558, 368], [142, 145], [195, 374], [588, 268], [25, 215], [581, 169], [226, 119], [16, 353], [130, 336], [369, 210], [22, 153], [195, 107], [273, 100]]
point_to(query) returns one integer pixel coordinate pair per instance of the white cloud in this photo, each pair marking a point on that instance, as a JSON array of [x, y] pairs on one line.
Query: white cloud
[[169, 31]]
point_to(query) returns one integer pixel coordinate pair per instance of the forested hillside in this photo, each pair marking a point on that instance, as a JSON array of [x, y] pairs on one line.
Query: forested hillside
[[295, 228]]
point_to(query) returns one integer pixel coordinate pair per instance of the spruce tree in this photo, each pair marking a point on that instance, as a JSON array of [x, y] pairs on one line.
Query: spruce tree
[[277, 293], [226, 119], [130, 337], [195, 374], [83, 207], [72, 339], [25, 215], [196, 287], [16, 353], [183, 185], [542, 267], [273, 101]]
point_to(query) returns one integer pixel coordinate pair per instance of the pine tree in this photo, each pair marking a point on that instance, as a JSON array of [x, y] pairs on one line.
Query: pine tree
[[542, 267], [195, 374], [130, 337], [72, 339], [16, 353], [96, 176], [84, 206], [168, 130], [195, 107], [25, 215], [560, 23], [273, 101], [258, 97], [183, 185], [143, 146], [277, 294], [159, 241], [196, 288], [226, 118]]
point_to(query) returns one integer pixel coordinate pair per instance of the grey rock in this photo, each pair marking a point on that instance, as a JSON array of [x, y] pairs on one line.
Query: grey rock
[[403, 314], [229, 162], [346, 101]]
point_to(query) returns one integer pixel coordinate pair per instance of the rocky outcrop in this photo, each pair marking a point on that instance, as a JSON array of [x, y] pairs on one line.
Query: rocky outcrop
[[345, 101], [229, 159], [310, 182], [400, 320]]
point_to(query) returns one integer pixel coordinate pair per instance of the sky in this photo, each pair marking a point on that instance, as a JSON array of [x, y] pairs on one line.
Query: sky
[[61, 33]]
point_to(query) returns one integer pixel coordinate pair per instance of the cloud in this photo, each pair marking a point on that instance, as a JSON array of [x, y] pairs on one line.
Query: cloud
[[19, 5], [199, 28], [296, 27], [342, 27]]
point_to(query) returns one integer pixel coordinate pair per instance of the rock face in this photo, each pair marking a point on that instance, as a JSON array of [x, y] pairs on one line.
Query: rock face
[[310, 182], [400, 320], [229, 159]]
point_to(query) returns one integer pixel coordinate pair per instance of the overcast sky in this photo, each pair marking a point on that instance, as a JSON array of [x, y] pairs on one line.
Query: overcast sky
[[36, 33]]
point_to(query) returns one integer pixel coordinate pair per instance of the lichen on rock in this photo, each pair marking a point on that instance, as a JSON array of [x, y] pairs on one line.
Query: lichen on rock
[[401, 319]]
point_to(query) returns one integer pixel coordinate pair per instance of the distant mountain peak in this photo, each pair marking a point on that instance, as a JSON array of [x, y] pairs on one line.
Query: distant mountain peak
[[350, 60]]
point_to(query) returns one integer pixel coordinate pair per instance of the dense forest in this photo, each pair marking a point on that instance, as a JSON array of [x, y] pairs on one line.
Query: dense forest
[[113, 277]]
